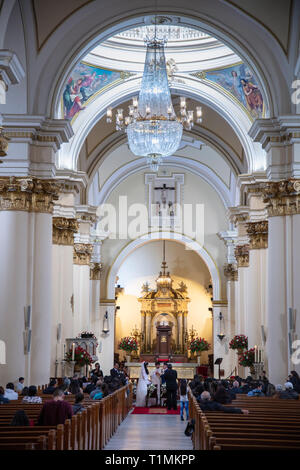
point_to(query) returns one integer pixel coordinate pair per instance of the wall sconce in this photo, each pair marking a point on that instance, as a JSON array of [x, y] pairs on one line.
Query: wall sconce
[[105, 329], [221, 335]]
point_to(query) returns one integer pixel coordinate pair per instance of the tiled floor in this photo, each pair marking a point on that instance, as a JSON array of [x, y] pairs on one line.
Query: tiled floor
[[151, 432]]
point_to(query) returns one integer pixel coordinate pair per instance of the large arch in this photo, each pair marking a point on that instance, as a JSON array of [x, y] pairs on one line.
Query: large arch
[[147, 238], [76, 36], [208, 93]]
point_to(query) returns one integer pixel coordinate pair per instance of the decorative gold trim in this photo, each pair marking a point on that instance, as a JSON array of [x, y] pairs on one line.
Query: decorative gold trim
[[258, 234], [231, 272], [82, 253], [107, 301], [216, 303], [28, 194], [282, 197], [95, 271], [242, 256], [63, 231]]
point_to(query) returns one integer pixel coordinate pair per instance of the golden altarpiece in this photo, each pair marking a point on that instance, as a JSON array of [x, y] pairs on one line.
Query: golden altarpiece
[[164, 313]]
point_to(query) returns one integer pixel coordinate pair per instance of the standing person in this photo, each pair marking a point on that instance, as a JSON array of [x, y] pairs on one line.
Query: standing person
[[164, 369], [141, 391], [171, 384], [155, 379], [184, 401], [55, 411]]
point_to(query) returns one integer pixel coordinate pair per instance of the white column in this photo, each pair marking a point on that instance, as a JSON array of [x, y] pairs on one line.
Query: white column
[[256, 296], [95, 323], [41, 300], [231, 296], [81, 282], [277, 332], [62, 300], [15, 290], [25, 275]]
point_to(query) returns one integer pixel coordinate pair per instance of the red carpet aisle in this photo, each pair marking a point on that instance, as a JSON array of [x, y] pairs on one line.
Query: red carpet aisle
[[155, 410]]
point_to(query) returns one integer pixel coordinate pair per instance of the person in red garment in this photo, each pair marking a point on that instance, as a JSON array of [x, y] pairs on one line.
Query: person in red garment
[[55, 411]]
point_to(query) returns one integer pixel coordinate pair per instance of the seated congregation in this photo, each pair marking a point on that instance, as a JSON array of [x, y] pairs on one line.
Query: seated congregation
[[244, 414], [76, 413], [81, 413]]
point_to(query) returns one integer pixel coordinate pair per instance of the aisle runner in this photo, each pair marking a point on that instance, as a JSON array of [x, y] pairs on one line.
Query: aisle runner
[[154, 410]]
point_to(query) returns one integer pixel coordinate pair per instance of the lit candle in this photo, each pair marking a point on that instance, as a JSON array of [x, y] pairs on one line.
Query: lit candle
[[255, 353], [73, 351]]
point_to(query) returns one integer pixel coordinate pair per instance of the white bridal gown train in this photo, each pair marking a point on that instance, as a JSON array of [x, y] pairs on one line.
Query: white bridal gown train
[[141, 392]]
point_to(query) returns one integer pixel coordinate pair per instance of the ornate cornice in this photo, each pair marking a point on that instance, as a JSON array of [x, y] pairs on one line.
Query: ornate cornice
[[242, 255], [37, 130], [63, 231], [28, 194], [82, 253], [95, 271], [258, 234], [282, 197], [231, 272], [86, 214]]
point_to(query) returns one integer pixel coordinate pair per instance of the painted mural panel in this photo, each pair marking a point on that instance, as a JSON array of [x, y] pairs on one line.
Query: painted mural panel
[[84, 83], [240, 81]]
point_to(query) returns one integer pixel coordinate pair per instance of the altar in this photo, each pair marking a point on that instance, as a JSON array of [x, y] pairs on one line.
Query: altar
[[185, 370], [164, 312]]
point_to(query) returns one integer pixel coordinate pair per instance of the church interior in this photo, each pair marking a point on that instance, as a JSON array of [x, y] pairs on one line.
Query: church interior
[[150, 213]]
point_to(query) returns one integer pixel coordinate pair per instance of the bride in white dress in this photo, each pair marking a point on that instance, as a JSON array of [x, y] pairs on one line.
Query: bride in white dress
[[141, 392]]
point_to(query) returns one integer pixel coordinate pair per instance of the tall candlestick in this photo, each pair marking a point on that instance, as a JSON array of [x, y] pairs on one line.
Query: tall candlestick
[[73, 351]]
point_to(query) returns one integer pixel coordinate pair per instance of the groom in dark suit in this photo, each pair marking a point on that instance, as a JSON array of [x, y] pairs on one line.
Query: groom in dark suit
[[170, 377]]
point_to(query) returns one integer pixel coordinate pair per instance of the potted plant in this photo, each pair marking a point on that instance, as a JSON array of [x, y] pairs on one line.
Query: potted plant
[[246, 359], [197, 345], [81, 357], [128, 344], [239, 342]]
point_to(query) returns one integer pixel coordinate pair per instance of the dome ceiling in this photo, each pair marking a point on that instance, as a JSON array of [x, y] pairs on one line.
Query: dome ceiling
[[189, 53]]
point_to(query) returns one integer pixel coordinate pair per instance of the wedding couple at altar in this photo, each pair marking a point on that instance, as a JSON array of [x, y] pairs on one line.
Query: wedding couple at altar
[[170, 379]]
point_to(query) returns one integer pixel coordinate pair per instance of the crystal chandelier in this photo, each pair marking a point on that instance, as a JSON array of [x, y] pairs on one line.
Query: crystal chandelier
[[153, 129]]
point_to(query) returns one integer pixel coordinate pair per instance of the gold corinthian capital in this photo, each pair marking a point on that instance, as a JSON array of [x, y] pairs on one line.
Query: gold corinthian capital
[[282, 197], [28, 194], [63, 231]]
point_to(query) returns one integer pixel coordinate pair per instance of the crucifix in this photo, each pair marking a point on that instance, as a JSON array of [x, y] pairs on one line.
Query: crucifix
[[164, 191]]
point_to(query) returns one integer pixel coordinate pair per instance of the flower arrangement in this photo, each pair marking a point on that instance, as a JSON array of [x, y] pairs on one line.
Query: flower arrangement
[[128, 344], [239, 342], [81, 356], [151, 390], [86, 334], [163, 391], [199, 345], [246, 359]]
